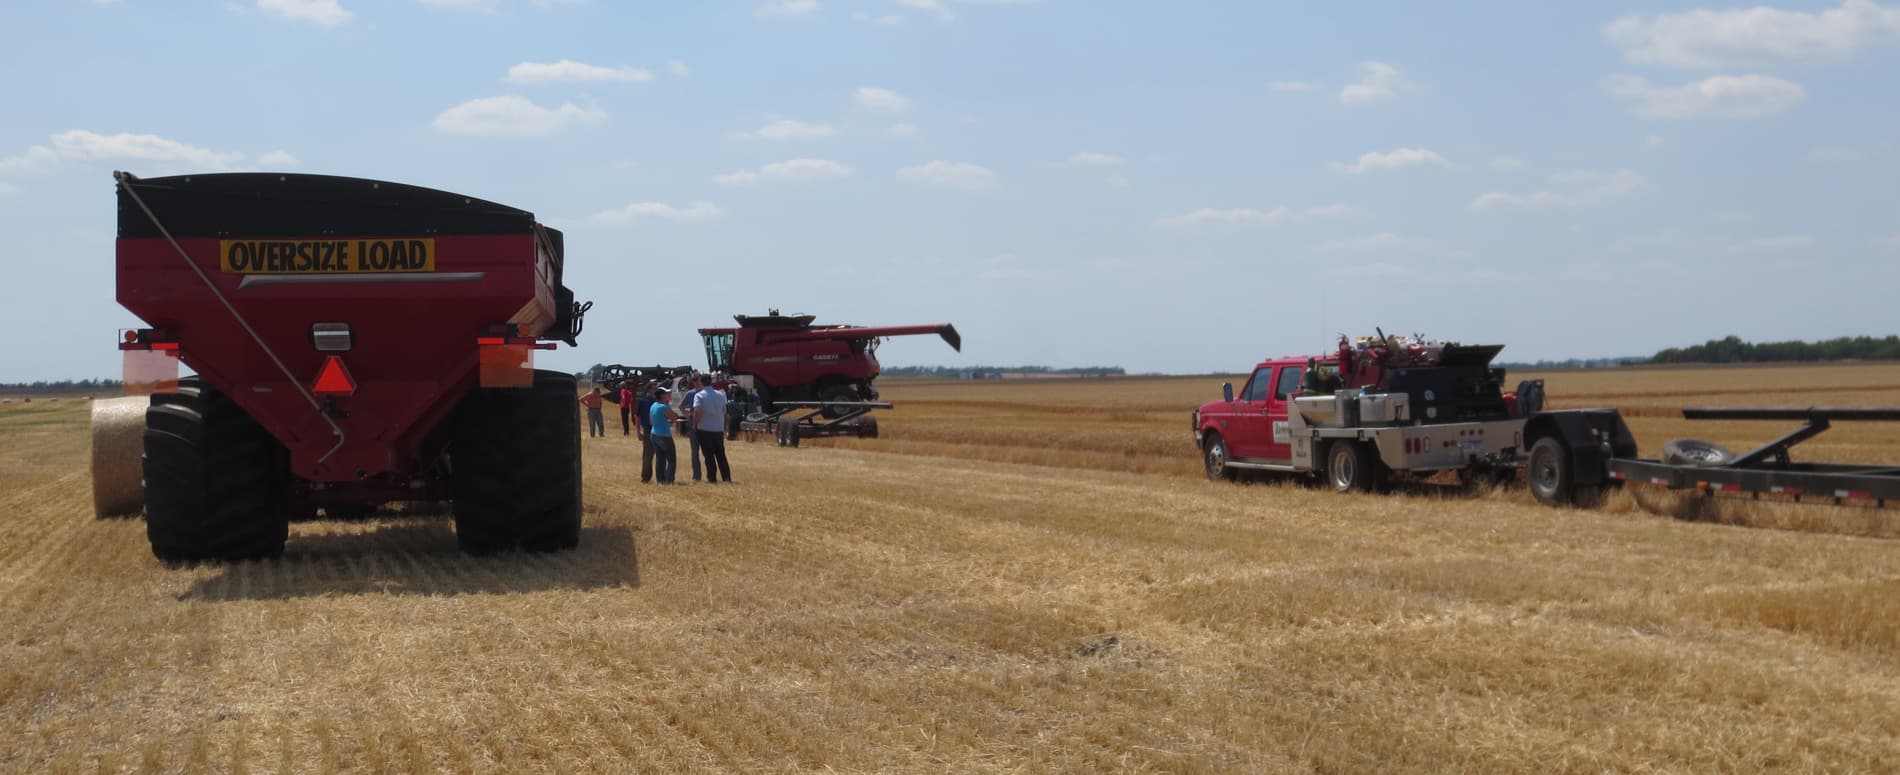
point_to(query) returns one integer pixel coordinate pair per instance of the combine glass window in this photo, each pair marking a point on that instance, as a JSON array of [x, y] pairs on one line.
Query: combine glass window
[[719, 352]]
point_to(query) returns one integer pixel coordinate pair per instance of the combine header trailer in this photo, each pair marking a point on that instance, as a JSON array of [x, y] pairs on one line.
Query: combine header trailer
[[356, 342]]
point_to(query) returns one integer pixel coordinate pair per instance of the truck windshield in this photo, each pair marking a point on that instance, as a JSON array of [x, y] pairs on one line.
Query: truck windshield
[[719, 352]]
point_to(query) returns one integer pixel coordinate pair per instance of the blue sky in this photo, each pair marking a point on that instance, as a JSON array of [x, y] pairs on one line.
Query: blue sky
[[1174, 187]]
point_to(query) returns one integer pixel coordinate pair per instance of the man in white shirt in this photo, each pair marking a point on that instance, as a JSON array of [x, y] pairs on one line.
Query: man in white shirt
[[709, 427]]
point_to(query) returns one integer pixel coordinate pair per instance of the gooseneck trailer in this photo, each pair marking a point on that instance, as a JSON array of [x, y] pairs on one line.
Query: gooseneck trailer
[[355, 342]]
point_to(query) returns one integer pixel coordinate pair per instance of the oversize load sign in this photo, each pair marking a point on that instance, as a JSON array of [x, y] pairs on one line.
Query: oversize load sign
[[339, 256]]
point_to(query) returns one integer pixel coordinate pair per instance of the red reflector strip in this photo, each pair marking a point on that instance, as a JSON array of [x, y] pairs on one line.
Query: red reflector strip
[[490, 340], [1659, 480], [164, 345], [1860, 494], [1619, 475], [1786, 490]]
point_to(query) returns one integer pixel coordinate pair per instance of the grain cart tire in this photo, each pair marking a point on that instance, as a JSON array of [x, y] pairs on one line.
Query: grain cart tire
[[1214, 458], [516, 468], [1550, 475], [1694, 452], [214, 479], [1352, 466], [118, 431]]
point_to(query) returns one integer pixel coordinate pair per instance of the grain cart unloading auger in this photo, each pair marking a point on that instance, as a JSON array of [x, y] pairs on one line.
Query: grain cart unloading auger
[[356, 343]]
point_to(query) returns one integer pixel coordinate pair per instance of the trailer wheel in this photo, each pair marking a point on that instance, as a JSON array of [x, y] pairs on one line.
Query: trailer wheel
[[1214, 458], [1352, 466], [1549, 473], [791, 432], [516, 468], [1694, 452], [867, 428], [214, 479]]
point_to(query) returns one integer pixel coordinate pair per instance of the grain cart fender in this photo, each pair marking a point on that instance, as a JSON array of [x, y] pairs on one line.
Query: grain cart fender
[[1593, 436]]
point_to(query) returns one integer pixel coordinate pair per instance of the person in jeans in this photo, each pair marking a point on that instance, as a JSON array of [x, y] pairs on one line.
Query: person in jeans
[[596, 426], [709, 426], [662, 416], [644, 411]]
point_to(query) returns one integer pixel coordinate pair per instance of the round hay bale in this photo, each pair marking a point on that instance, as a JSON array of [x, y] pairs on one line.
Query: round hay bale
[[118, 438]]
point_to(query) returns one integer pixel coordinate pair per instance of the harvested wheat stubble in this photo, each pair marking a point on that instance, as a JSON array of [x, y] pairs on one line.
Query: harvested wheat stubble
[[118, 426]]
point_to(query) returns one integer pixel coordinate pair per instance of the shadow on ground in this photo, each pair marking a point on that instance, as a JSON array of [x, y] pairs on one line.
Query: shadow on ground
[[420, 558]]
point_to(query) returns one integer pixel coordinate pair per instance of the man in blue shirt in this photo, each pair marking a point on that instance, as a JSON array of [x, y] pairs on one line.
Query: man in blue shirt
[[660, 419], [709, 427], [643, 411]]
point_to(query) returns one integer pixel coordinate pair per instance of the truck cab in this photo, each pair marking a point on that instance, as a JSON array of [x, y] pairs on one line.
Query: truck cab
[[1248, 429]]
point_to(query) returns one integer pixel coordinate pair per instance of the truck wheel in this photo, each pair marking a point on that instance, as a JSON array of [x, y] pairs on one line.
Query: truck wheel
[[1694, 452], [214, 479], [1351, 466], [1214, 458], [1551, 479], [516, 468]]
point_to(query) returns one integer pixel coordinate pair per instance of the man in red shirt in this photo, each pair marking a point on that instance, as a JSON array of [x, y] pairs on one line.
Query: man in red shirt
[[627, 400]]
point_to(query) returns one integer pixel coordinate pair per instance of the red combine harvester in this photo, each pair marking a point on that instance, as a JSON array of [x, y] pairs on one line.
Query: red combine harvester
[[787, 359], [356, 343]]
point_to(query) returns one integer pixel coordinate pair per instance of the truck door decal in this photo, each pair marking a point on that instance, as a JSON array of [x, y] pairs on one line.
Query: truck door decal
[[1280, 433]]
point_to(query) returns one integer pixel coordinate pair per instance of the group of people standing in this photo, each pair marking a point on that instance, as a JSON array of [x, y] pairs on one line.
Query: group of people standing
[[652, 414]]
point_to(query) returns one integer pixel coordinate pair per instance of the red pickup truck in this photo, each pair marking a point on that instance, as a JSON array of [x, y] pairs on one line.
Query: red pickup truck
[[1248, 430]]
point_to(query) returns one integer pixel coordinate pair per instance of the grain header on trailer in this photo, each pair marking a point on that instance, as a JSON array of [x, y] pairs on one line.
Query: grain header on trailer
[[356, 342]]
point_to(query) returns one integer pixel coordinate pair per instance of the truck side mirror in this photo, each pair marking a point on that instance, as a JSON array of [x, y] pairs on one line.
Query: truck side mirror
[[1226, 391]]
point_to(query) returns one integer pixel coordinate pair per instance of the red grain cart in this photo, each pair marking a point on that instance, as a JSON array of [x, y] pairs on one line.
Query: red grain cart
[[356, 342]]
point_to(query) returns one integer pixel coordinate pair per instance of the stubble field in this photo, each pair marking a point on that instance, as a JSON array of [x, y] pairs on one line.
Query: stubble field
[[1018, 576]]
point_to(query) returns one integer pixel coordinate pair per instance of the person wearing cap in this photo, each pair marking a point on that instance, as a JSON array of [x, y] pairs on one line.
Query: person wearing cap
[[661, 416]]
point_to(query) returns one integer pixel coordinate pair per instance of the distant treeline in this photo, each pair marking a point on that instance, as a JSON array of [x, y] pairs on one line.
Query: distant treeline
[[64, 384], [1733, 350], [993, 372], [1576, 363]]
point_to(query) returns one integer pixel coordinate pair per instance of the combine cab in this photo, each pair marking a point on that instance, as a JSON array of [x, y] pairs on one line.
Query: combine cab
[[356, 343], [786, 358]]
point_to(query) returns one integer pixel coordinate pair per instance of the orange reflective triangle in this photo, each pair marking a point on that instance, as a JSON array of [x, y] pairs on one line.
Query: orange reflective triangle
[[334, 379]]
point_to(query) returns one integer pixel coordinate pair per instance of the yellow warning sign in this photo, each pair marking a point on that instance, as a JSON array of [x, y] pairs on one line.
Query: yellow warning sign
[[340, 256]]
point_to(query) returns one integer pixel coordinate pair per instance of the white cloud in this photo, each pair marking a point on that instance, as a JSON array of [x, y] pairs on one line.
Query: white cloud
[[1378, 270], [1653, 142], [785, 129], [1003, 267], [1118, 181], [473, 5], [30, 159], [698, 211], [931, 7], [787, 8], [1835, 154], [678, 69], [278, 159], [1241, 216], [1292, 86], [790, 171], [1777, 244], [950, 174], [512, 116], [324, 12], [1507, 164], [886, 19], [1723, 96], [81, 145], [568, 70], [1891, 243], [1092, 159], [1381, 241], [1580, 189], [1397, 158], [902, 130], [1378, 82], [6, 188], [881, 99], [1746, 36]]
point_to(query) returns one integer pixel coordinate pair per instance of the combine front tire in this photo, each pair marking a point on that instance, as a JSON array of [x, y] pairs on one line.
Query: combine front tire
[[516, 468], [215, 480]]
